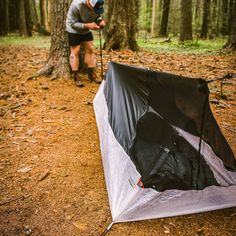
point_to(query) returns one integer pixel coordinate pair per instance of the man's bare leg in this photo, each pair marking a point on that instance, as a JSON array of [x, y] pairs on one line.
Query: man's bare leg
[[90, 61], [89, 58], [74, 64]]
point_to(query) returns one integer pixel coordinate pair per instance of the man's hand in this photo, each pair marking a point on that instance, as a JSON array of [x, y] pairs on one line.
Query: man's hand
[[92, 26], [102, 24]]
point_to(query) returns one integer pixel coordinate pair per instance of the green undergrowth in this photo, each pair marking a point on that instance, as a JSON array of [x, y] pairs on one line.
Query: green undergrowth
[[165, 45], [34, 41], [161, 45]]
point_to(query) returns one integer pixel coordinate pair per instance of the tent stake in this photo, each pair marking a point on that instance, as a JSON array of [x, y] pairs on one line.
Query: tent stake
[[107, 229]]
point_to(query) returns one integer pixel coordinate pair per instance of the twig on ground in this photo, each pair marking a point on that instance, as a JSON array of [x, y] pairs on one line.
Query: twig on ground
[[15, 199], [229, 128]]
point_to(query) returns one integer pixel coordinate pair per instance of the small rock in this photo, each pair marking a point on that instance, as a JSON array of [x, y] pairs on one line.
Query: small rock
[[43, 175], [24, 169]]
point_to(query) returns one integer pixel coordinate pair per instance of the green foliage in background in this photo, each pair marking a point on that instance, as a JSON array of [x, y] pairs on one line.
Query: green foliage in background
[[151, 44], [35, 41], [195, 46]]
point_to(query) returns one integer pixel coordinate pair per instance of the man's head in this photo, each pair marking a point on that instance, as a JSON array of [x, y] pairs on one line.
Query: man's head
[[97, 6]]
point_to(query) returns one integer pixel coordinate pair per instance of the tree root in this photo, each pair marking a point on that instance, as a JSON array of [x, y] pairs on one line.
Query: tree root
[[58, 69], [45, 71]]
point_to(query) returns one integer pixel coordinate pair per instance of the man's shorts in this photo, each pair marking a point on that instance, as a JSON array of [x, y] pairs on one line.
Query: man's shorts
[[76, 39]]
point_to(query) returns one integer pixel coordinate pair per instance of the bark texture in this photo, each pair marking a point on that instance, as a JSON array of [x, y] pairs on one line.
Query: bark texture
[[58, 62], [206, 19], [3, 18], [165, 18], [186, 20], [232, 37], [25, 26], [122, 25]]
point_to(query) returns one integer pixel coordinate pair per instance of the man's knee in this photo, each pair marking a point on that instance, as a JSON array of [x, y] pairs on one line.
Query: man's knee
[[89, 48], [74, 51]]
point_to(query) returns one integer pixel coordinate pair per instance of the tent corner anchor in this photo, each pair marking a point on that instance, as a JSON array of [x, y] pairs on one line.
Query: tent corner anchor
[[107, 229]]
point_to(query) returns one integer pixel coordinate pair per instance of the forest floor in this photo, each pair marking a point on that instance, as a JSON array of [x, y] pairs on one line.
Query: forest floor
[[52, 181]]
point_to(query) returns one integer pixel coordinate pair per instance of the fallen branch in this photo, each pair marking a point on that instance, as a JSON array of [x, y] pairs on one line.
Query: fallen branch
[[229, 128], [15, 199]]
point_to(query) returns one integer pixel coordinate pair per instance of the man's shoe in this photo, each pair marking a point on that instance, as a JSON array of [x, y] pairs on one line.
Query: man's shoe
[[93, 78], [79, 83]]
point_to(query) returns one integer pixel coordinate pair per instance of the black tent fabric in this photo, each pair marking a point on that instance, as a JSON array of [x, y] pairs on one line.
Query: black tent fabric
[[145, 111]]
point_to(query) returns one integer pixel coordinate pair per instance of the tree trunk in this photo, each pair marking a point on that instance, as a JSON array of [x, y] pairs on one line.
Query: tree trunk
[[122, 29], [58, 63], [45, 7], [7, 19], [206, 19], [197, 18], [232, 37], [186, 20], [174, 18], [35, 20], [24, 18], [214, 21], [14, 18], [28, 18], [165, 18], [230, 15], [154, 18], [48, 18], [225, 14], [3, 18]]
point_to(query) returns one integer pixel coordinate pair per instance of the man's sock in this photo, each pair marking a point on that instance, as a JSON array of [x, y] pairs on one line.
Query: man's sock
[[90, 72], [75, 74]]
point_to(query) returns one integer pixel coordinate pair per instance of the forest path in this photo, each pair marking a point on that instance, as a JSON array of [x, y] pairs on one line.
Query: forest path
[[52, 180]]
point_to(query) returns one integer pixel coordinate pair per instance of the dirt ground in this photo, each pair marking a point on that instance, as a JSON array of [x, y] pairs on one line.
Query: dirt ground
[[52, 180]]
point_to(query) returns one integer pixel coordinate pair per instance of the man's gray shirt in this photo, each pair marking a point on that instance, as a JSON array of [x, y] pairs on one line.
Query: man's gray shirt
[[77, 15]]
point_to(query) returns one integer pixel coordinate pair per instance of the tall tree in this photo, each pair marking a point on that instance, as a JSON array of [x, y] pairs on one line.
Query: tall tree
[[25, 25], [123, 25], [214, 21], [224, 16], [14, 15], [232, 37], [206, 19], [35, 19], [186, 21], [165, 18], [45, 8], [4, 19], [196, 17], [154, 18], [174, 18], [57, 63]]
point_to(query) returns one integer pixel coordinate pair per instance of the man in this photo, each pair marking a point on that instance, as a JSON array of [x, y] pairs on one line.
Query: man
[[82, 17]]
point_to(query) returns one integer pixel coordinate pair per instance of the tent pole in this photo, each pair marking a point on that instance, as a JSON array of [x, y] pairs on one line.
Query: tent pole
[[100, 40], [201, 133]]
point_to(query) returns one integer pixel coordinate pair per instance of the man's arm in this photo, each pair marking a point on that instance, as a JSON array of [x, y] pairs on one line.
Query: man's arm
[[78, 25]]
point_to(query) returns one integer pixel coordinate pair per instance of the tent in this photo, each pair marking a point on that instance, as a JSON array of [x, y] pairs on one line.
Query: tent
[[162, 150]]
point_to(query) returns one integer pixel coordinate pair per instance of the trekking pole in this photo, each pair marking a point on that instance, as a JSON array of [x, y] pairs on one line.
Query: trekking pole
[[100, 39]]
